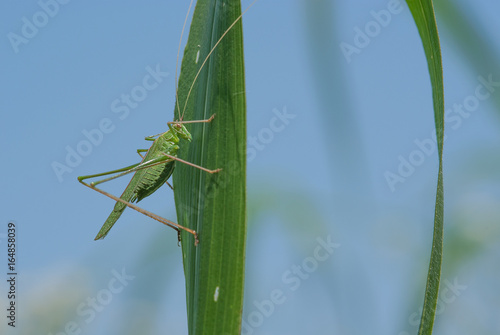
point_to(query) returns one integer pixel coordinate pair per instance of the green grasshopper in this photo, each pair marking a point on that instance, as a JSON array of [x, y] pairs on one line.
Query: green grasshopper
[[157, 164], [154, 170]]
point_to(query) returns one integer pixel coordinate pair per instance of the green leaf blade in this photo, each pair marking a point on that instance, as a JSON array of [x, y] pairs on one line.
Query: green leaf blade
[[213, 205], [423, 14]]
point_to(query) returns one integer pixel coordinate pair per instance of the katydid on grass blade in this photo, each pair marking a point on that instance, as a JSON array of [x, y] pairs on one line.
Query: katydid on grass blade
[[155, 169], [158, 163]]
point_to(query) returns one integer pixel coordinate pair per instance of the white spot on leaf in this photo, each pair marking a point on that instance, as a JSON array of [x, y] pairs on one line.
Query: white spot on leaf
[[197, 57], [216, 294]]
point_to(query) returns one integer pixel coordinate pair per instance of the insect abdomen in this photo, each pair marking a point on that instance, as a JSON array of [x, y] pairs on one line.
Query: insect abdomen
[[154, 177]]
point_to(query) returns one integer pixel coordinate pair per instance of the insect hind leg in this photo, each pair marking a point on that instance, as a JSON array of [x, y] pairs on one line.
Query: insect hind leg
[[158, 218]]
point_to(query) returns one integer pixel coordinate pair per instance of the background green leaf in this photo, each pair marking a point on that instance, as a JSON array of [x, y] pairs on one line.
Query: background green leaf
[[423, 14], [214, 205]]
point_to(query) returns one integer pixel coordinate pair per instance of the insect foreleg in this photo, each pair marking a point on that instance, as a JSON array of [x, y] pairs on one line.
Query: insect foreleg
[[194, 121], [141, 150], [153, 137]]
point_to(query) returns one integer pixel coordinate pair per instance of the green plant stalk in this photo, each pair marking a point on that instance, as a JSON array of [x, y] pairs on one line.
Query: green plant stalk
[[213, 205], [423, 14]]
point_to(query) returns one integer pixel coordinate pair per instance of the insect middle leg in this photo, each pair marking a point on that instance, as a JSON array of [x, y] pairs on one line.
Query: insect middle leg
[[191, 164]]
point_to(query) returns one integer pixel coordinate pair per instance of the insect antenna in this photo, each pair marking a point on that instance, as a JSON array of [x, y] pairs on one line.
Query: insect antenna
[[205, 61], [177, 62]]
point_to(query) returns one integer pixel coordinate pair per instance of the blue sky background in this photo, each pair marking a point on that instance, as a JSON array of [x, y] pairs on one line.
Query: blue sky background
[[321, 177]]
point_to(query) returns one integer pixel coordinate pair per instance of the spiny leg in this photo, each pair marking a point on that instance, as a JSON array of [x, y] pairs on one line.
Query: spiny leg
[[126, 170], [123, 171], [158, 218], [191, 164]]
